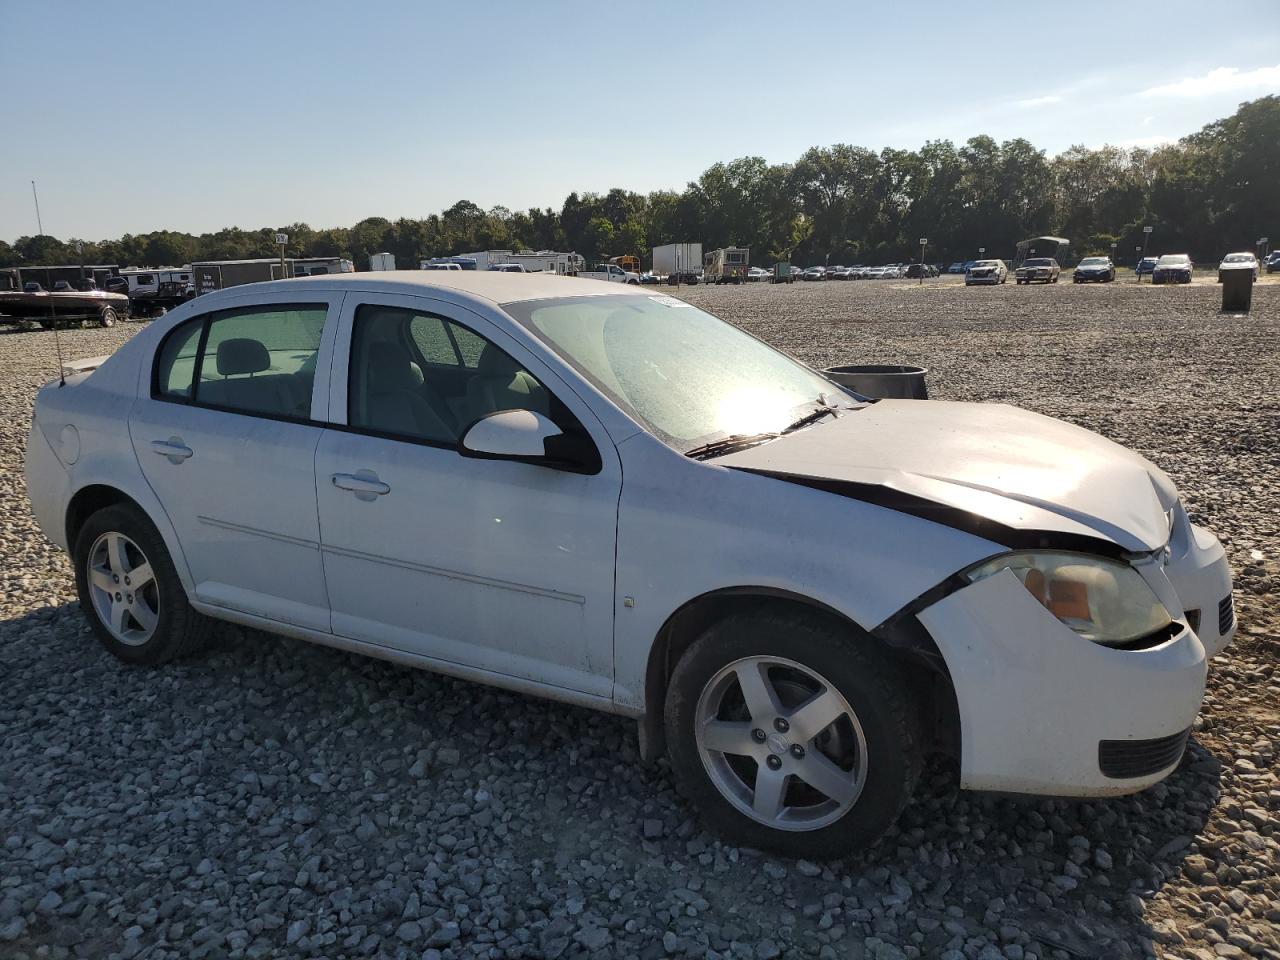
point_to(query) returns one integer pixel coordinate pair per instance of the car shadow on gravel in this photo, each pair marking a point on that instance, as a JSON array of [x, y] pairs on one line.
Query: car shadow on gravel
[[263, 744]]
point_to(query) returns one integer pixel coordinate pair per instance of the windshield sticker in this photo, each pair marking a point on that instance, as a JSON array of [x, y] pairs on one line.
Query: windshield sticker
[[669, 301]]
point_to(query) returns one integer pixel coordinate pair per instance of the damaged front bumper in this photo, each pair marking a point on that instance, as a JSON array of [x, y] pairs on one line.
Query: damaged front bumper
[[1044, 711]]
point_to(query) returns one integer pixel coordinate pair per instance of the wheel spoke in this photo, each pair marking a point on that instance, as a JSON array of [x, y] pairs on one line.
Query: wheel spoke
[[771, 787], [119, 617], [815, 715], [728, 736], [101, 579], [141, 575], [817, 770], [757, 691], [117, 562], [145, 616]]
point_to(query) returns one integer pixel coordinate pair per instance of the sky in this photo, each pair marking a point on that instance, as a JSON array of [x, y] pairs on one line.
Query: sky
[[152, 116]]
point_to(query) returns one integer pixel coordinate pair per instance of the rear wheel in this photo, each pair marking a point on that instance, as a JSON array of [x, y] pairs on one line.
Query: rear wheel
[[130, 591], [791, 735]]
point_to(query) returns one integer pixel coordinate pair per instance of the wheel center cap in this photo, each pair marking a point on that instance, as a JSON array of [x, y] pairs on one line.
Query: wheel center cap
[[777, 744]]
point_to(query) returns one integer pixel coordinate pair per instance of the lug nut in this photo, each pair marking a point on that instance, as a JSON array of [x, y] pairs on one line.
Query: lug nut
[[127, 581], [117, 598], [797, 751], [758, 735], [129, 597], [774, 762], [781, 725], [115, 578]]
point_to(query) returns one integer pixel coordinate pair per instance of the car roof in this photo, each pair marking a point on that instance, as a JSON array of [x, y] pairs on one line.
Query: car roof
[[492, 286]]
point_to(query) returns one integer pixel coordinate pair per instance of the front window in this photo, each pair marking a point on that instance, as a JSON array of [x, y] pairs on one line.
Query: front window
[[1174, 260], [686, 375], [1039, 263], [1094, 262]]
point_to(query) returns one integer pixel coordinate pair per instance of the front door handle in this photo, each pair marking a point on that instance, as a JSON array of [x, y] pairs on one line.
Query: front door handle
[[173, 448], [364, 484]]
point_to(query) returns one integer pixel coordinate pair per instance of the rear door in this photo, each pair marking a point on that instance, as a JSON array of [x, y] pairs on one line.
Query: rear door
[[226, 434]]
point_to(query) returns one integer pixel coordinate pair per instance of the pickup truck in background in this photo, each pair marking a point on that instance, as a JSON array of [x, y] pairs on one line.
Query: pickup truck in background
[[612, 273]]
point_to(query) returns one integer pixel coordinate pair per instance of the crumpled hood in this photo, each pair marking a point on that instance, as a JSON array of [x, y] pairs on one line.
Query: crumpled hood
[[1017, 469]]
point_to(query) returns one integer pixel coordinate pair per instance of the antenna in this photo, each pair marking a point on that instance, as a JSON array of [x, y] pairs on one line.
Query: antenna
[[36, 196], [57, 346]]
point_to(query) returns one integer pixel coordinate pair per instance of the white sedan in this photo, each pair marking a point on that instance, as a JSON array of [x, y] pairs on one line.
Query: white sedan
[[588, 492]]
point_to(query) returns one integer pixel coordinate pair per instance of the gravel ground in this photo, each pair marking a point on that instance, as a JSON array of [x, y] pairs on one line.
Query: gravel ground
[[273, 798]]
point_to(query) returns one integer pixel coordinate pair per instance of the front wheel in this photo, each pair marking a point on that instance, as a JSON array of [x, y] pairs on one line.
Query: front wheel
[[108, 317], [129, 590], [790, 734]]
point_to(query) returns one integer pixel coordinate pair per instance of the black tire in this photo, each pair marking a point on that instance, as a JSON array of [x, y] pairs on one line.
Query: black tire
[[872, 684], [180, 630], [108, 316]]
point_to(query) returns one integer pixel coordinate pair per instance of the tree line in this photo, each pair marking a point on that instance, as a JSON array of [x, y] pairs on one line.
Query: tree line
[[1213, 191]]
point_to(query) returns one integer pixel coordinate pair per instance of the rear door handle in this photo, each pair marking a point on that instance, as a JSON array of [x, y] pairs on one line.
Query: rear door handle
[[173, 448], [365, 484]]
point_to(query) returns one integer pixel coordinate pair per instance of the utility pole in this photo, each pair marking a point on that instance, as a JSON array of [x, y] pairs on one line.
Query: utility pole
[[36, 196], [283, 240], [1147, 243], [923, 242]]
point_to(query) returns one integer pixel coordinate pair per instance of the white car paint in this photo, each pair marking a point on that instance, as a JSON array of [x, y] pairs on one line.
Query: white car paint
[[560, 583]]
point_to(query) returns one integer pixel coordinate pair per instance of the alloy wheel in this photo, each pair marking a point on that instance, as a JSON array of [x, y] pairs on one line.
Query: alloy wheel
[[781, 743], [123, 587]]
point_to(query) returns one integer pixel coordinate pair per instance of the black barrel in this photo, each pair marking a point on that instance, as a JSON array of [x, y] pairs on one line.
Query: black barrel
[[1237, 289], [882, 381]]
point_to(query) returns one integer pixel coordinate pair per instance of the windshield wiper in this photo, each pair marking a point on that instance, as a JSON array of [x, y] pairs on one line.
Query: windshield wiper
[[739, 441], [809, 418]]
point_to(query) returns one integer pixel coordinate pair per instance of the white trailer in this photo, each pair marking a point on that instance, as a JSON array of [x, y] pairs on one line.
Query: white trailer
[[541, 261], [382, 261], [678, 258], [726, 265]]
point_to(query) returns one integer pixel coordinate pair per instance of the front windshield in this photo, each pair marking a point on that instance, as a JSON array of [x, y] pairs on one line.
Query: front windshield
[[1037, 263], [686, 375], [1173, 258], [985, 263], [1239, 258], [1093, 262]]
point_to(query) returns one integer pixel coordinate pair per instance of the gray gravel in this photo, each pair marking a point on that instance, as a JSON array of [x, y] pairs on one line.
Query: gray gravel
[[272, 798]]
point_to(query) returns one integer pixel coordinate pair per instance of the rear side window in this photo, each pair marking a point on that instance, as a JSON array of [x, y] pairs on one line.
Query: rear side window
[[255, 360]]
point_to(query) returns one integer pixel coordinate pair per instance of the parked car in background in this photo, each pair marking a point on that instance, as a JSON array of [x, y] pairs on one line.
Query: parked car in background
[[1094, 270], [648, 278], [814, 273], [757, 274], [1273, 261], [797, 599], [442, 266], [610, 273], [1238, 261], [1172, 268], [1038, 269], [986, 271], [1146, 265], [892, 272], [839, 273]]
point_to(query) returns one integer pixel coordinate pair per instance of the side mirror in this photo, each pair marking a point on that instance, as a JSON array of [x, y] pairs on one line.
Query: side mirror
[[509, 435]]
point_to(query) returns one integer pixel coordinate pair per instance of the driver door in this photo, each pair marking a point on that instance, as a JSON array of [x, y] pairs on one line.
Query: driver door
[[494, 565]]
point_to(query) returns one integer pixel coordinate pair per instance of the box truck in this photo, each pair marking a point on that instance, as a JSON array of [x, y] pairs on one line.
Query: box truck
[[682, 260]]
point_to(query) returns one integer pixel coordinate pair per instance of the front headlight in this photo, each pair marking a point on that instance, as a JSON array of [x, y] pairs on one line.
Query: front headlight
[[1102, 600]]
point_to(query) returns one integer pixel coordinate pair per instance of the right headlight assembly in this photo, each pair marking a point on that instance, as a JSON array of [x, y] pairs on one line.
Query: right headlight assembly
[[1102, 600]]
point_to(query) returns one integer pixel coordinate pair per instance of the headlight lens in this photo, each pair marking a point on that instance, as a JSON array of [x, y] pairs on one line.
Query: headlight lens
[[1101, 600]]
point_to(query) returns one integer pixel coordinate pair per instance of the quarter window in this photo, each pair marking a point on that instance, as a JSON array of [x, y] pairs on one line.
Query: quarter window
[[176, 365]]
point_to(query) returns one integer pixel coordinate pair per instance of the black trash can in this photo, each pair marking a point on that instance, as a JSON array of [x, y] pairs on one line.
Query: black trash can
[[1237, 289], [882, 381]]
